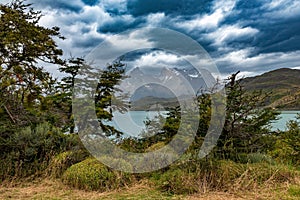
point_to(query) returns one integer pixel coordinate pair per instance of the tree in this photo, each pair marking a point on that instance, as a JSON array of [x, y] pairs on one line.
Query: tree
[[247, 121], [246, 127], [24, 44], [66, 87], [109, 98], [24, 47], [287, 143]]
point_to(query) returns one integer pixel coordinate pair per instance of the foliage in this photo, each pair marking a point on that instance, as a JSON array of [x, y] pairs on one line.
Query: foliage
[[24, 47], [61, 162], [23, 44], [109, 98], [246, 128], [63, 98], [90, 174], [287, 146], [29, 150]]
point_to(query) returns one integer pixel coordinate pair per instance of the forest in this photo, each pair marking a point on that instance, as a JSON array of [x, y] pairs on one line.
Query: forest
[[39, 139]]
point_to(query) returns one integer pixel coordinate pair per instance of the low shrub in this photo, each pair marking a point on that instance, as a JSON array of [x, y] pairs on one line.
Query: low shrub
[[90, 174], [60, 163], [28, 151]]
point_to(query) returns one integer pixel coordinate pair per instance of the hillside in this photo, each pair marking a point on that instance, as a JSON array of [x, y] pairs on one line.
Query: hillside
[[283, 84], [154, 103]]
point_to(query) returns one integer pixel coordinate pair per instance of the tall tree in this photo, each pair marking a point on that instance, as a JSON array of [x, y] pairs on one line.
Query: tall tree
[[24, 46], [247, 121], [67, 86], [109, 97]]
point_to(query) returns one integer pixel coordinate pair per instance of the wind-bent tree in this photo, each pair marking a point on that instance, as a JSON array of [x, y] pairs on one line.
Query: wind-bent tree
[[66, 94], [247, 121], [110, 98]]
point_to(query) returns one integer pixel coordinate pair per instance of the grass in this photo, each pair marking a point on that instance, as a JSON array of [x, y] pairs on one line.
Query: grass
[[223, 176], [56, 190], [222, 179]]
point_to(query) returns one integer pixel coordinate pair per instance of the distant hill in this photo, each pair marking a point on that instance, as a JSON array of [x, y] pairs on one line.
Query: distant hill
[[284, 85], [154, 103]]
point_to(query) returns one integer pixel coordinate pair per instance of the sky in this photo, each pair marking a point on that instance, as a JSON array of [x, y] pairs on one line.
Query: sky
[[253, 36]]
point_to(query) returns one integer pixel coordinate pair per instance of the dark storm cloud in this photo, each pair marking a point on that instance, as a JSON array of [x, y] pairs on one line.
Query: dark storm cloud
[[87, 42], [279, 37], [120, 25], [172, 7], [90, 2], [277, 33], [73, 5], [251, 35]]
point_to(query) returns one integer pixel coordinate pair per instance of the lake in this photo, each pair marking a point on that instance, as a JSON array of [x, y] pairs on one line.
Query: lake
[[132, 123], [284, 117]]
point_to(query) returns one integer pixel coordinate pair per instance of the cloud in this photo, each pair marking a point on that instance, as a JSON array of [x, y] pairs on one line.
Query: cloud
[[230, 33], [155, 19], [242, 60], [83, 30], [115, 6], [158, 59], [5, 2], [90, 2], [119, 24], [73, 6], [221, 9], [170, 7], [282, 9], [254, 36]]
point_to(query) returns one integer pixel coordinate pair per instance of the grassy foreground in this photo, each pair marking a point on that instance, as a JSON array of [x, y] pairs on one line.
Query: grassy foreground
[[55, 189]]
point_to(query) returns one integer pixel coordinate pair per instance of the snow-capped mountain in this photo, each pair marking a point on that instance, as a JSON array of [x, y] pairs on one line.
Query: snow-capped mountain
[[168, 83]]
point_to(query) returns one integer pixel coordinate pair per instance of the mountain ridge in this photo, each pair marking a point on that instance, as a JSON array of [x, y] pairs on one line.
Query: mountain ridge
[[283, 85]]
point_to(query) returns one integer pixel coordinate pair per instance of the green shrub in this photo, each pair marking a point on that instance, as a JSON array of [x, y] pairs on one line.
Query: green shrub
[[29, 150], [116, 163], [287, 146], [60, 163], [177, 181], [90, 174]]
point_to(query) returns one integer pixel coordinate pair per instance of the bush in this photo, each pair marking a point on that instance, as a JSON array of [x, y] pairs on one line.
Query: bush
[[287, 146], [177, 181], [60, 163], [203, 176], [29, 150], [90, 174]]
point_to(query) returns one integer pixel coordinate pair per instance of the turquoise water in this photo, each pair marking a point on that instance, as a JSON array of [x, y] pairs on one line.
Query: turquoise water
[[284, 117], [133, 123]]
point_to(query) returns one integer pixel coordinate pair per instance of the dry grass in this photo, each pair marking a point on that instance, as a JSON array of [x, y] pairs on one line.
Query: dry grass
[[54, 190]]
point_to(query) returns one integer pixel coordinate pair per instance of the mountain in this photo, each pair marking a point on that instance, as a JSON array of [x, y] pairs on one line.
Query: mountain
[[160, 85], [163, 87], [167, 83], [154, 103], [283, 84]]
